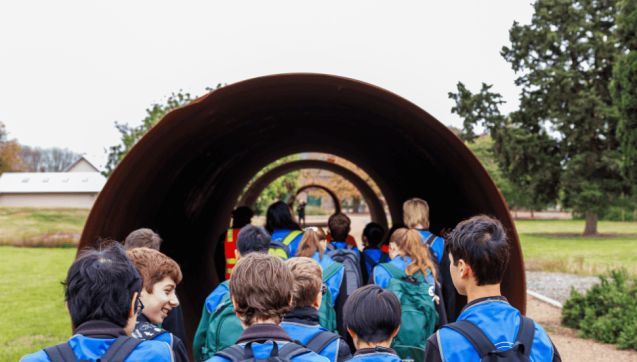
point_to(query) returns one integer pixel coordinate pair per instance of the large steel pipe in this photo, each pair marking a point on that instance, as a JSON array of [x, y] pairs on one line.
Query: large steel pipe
[[186, 174], [376, 210], [335, 199]]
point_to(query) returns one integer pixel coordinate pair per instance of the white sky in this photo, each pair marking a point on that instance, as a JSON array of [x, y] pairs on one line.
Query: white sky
[[69, 70]]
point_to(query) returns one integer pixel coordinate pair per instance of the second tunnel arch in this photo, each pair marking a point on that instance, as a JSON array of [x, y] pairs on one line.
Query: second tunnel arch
[[333, 196], [184, 177], [376, 209]]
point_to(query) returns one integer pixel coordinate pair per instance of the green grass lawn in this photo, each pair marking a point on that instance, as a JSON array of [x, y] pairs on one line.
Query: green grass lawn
[[19, 223], [31, 299], [585, 256]]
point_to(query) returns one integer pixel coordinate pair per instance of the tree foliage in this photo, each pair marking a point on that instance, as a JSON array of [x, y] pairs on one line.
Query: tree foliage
[[47, 159], [624, 89], [9, 153], [564, 135], [130, 135]]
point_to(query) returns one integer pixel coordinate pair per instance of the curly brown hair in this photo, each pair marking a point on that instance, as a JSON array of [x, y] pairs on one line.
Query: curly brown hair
[[261, 286]]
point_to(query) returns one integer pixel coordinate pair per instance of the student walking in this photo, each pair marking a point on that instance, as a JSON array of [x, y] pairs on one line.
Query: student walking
[[285, 233], [372, 255], [488, 327]]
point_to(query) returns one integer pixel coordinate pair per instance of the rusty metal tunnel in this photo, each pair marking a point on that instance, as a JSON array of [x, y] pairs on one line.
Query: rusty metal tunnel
[[186, 174]]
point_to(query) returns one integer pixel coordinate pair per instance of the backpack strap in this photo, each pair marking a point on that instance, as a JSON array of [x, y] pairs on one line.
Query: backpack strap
[[369, 260], [321, 340], [349, 247], [330, 247], [147, 331], [331, 270], [526, 334], [226, 283], [120, 349], [384, 257], [61, 353], [278, 248], [475, 335], [291, 350], [291, 236], [393, 270], [430, 240], [233, 353]]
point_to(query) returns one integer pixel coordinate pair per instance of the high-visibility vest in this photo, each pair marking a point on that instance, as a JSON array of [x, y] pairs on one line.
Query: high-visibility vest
[[229, 247]]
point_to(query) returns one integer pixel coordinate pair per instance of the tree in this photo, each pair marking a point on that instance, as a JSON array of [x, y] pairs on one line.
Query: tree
[[31, 158], [279, 190], [564, 134], [130, 135], [9, 153], [47, 159], [624, 89]]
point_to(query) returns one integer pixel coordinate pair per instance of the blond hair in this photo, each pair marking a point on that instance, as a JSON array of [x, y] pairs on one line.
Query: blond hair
[[311, 243], [308, 280], [409, 243], [416, 211]]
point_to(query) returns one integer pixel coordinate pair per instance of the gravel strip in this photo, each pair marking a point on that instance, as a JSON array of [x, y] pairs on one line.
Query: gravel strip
[[557, 285]]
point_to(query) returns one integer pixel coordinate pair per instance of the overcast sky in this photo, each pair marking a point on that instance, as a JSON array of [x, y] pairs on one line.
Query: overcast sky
[[69, 70]]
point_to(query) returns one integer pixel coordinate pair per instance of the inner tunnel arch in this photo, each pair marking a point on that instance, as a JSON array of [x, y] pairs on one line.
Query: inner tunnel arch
[[186, 174], [333, 196], [376, 209]]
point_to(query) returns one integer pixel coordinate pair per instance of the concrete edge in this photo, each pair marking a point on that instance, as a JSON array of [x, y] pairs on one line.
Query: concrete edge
[[545, 299]]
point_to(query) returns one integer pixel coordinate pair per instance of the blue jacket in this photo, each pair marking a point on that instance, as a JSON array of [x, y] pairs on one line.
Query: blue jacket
[[214, 298], [334, 283], [438, 246], [87, 346], [500, 322], [377, 354], [148, 331], [302, 324], [381, 276], [376, 255], [260, 332], [343, 245], [294, 244]]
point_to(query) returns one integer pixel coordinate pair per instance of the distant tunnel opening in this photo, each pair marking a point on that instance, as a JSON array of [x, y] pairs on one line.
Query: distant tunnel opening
[[184, 177]]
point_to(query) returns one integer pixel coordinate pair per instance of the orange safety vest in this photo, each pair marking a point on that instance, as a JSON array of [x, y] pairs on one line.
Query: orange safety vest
[[230, 246], [349, 240]]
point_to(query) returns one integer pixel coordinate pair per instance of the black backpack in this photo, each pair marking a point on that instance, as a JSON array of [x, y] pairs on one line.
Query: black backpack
[[321, 340], [117, 352], [520, 352], [238, 354]]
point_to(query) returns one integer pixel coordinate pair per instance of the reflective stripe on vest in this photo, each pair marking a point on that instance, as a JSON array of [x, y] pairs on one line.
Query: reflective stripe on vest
[[229, 248]]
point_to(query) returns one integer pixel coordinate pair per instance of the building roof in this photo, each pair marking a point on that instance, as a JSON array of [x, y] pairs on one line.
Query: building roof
[[51, 182], [78, 161]]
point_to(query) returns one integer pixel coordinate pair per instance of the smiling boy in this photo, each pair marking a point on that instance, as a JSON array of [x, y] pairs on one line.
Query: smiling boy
[[161, 275]]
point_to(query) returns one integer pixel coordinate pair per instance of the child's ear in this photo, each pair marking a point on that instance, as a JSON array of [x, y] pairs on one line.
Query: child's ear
[[234, 304]]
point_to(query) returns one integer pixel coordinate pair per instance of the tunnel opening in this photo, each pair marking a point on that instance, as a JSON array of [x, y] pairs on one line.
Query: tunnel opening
[[184, 177]]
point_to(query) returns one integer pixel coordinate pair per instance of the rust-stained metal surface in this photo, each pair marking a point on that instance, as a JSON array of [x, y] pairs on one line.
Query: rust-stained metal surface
[[376, 210], [186, 174]]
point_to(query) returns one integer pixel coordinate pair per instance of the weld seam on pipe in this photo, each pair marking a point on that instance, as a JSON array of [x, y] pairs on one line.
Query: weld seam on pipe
[[544, 298]]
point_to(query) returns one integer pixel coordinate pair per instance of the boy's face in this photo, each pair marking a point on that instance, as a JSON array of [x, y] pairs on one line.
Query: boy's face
[[458, 275], [158, 303]]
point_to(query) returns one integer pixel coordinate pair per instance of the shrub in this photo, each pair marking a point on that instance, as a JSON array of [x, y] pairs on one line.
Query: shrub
[[607, 312]]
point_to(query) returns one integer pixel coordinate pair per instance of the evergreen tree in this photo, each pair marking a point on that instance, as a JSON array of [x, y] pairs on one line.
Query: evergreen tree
[[564, 134]]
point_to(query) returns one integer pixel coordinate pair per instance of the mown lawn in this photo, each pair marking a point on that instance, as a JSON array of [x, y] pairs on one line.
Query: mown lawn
[[575, 254], [19, 223], [31, 299]]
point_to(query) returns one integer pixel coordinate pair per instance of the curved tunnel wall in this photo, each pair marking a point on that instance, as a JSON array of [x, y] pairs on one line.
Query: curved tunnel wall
[[376, 210], [335, 199], [186, 174]]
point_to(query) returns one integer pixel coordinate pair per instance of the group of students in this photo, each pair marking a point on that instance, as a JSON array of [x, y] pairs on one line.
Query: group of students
[[306, 295]]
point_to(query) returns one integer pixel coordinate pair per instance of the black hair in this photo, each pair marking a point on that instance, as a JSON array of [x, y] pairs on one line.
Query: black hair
[[100, 285], [392, 230], [372, 313], [253, 239], [481, 242], [278, 218], [241, 216], [374, 234]]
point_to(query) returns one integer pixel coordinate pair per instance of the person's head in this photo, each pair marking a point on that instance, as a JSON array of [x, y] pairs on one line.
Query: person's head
[[314, 239], [392, 230], [252, 239], [339, 225], [241, 216], [407, 242], [161, 275], [143, 238], [372, 315], [278, 217], [261, 289], [373, 235], [307, 290], [103, 284], [478, 251], [416, 213]]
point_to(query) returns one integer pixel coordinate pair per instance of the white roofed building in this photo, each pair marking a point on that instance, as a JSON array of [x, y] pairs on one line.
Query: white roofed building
[[74, 188]]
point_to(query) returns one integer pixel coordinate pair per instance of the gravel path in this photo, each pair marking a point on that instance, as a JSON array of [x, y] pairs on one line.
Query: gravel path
[[557, 285]]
